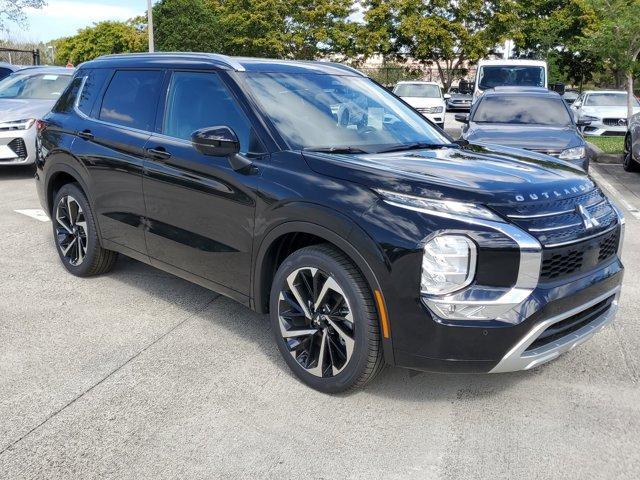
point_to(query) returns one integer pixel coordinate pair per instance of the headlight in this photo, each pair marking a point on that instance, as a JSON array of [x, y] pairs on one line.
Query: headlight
[[438, 207], [448, 264], [438, 110], [575, 153], [25, 124]]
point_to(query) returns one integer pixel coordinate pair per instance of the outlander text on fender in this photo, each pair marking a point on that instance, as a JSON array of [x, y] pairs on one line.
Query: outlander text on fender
[[306, 191]]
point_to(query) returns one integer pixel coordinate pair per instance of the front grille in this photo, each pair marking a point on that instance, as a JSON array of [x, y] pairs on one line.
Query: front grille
[[571, 324], [561, 262], [430, 110], [615, 122], [18, 146], [557, 222]]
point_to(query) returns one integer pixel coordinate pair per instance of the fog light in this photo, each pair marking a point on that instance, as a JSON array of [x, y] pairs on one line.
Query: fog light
[[448, 264]]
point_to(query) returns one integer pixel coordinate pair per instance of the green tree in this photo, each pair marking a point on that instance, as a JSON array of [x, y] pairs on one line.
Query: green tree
[[103, 38], [551, 30], [446, 33], [615, 38], [270, 28]]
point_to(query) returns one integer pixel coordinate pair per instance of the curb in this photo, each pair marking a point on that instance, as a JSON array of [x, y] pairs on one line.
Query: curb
[[598, 156]]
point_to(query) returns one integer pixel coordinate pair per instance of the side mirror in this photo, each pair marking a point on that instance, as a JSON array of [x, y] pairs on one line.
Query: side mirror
[[584, 121], [220, 141], [462, 117], [216, 141], [447, 96]]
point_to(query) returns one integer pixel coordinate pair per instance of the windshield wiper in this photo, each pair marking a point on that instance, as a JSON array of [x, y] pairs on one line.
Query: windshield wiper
[[338, 149], [417, 146]]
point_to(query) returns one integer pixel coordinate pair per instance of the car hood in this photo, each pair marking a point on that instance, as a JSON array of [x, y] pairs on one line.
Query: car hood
[[19, 109], [487, 174], [607, 112], [532, 137], [422, 102]]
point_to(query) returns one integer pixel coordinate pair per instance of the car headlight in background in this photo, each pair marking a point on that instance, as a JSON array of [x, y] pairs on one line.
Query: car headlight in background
[[24, 124], [438, 207], [448, 264], [575, 153]]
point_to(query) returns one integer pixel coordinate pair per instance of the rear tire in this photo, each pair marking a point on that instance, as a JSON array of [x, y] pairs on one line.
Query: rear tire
[[628, 162], [324, 320], [75, 234]]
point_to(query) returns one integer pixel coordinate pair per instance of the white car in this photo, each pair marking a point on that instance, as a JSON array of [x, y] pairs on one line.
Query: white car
[[425, 97], [606, 110], [26, 96], [509, 73]]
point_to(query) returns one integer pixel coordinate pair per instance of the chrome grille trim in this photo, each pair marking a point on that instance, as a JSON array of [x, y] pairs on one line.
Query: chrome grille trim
[[540, 215], [582, 239], [551, 229]]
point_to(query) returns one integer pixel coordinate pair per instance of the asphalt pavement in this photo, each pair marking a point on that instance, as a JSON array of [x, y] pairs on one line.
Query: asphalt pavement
[[138, 374]]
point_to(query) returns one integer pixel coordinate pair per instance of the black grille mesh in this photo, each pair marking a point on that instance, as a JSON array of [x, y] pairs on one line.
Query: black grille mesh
[[18, 146]]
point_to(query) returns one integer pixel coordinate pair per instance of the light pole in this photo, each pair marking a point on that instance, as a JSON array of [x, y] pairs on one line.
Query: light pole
[[150, 25]]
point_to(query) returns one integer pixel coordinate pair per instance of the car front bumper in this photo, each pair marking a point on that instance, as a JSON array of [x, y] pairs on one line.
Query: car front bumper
[[536, 319], [598, 128], [17, 147]]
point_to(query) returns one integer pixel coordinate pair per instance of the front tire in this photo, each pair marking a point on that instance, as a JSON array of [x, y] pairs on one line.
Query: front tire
[[628, 163], [324, 320], [76, 236]]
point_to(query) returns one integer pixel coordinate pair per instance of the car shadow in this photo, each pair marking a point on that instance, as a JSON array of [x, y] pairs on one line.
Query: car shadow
[[241, 322], [16, 172]]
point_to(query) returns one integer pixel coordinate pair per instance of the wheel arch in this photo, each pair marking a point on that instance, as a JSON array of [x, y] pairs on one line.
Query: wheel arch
[[349, 238], [60, 176]]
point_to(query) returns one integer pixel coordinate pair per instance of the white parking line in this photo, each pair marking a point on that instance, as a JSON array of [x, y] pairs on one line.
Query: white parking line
[[616, 194], [36, 213]]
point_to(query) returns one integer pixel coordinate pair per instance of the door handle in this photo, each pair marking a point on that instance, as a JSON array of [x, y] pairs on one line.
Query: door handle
[[159, 153], [86, 134]]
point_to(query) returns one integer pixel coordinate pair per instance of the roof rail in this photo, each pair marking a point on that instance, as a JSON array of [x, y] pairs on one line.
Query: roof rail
[[219, 58]]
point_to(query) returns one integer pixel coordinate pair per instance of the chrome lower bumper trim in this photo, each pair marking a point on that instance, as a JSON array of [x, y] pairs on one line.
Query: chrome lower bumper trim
[[520, 359]]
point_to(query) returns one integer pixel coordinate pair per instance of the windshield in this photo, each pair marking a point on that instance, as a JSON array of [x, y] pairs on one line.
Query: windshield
[[522, 109], [608, 100], [39, 86], [424, 90], [327, 111], [505, 75]]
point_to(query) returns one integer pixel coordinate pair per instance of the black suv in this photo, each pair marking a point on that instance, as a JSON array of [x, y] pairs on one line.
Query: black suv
[[308, 191]]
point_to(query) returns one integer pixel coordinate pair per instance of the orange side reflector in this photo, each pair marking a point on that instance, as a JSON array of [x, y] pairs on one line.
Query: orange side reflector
[[383, 314]]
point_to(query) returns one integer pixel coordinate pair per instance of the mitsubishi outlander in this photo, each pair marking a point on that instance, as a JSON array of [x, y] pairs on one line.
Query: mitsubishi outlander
[[307, 191]]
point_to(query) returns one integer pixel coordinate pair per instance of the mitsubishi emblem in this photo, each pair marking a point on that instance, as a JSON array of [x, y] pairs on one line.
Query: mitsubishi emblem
[[588, 221]]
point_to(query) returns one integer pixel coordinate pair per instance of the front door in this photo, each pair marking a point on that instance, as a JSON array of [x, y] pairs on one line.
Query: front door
[[200, 211]]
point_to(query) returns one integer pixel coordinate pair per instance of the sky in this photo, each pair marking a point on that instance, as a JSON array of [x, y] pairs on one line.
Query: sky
[[61, 18]]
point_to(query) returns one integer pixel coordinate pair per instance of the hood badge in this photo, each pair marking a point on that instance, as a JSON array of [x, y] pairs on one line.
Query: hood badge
[[587, 219]]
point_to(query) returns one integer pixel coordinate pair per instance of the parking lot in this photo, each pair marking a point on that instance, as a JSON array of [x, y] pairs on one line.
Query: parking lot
[[139, 374]]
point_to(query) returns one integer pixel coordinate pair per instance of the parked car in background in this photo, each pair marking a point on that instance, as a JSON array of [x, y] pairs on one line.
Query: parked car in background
[[606, 110], [570, 96], [513, 72], [459, 100], [379, 240], [530, 118], [26, 96], [7, 69], [631, 160], [425, 97]]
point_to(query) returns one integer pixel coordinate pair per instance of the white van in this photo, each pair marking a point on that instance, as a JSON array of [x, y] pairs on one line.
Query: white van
[[511, 73]]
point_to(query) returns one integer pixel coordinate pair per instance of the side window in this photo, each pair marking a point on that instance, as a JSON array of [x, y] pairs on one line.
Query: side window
[[68, 97], [197, 100], [131, 98], [95, 78]]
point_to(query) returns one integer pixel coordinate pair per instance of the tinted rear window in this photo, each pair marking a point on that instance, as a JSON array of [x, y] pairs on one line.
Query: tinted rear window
[[68, 98], [131, 98], [521, 109], [95, 79]]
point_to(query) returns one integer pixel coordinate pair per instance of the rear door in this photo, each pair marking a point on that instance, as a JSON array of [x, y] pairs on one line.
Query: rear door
[[200, 211], [111, 145]]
